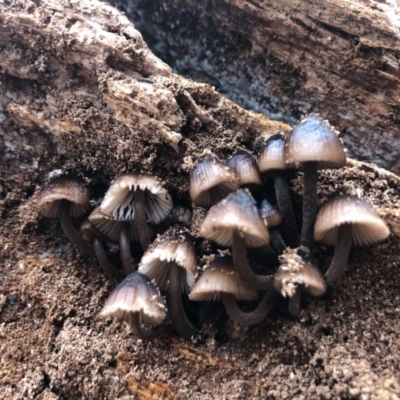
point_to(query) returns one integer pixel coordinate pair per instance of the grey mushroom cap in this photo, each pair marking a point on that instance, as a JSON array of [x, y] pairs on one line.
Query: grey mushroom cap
[[119, 201], [136, 294], [220, 277], [272, 156], [237, 213], [175, 246], [366, 225], [313, 140], [296, 269], [60, 189], [270, 214], [211, 181], [245, 168]]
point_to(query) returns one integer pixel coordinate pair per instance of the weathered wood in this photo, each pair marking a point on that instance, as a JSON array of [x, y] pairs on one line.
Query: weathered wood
[[289, 58]]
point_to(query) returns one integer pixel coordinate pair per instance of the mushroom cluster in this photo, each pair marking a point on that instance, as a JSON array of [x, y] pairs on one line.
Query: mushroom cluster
[[138, 214]]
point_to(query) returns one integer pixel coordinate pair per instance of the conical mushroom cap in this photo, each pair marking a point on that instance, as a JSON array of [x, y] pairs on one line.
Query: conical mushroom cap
[[237, 213], [211, 181], [136, 294], [119, 201], [243, 165], [68, 188], [272, 156], [366, 225], [313, 140], [270, 214], [173, 246], [220, 277], [295, 270], [109, 227]]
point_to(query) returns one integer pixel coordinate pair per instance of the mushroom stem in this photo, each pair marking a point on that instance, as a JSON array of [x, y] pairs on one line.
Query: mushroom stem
[[310, 204], [140, 331], [69, 229], [242, 266], [140, 219], [125, 249], [253, 317], [294, 303], [276, 240], [180, 321], [342, 250], [103, 259], [286, 209]]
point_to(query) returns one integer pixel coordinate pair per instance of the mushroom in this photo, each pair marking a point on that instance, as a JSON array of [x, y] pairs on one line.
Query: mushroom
[[172, 259], [92, 235], [297, 272], [136, 198], [346, 220], [139, 302], [220, 280], [272, 162], [118, 231], [63, 198], [272, 218], [211, 181], [311, 146], [243, 165], [236, 222]]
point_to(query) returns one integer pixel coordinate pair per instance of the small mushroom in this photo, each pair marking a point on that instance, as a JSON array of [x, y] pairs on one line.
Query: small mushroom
[[346, 220], [211, 181], [92, 235], [172, 259], [272, 219], [236, 222], [297, 272], [136, 198], [137, 301], [243, 165], [63, 198], [311, 146], [272, 163], [220, 280]]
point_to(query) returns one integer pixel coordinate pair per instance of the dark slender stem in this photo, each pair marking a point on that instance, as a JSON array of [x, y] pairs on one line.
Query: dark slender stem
[[286, 209], [141, 332], [242, 266], [294, 303], [179, 318], [140, 219], [310, 204], [125, 249], [73, 235], [104, 261], [252, 317], [276, 240], [342, 250]]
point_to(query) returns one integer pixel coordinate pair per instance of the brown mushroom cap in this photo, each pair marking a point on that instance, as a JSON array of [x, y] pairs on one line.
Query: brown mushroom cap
[[119, 201], [64, 188], [313, 140], [173, 246], [243, 165], [111, 228], [211, 180], [238, 212], [220, 277], [136, 294], [296, 269], [366, 225]]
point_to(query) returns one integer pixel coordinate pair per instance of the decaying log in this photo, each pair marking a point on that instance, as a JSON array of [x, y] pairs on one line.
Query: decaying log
[[291, 57], [80, 91]]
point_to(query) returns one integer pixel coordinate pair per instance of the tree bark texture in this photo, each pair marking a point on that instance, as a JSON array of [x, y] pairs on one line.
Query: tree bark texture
[[81, 92]]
